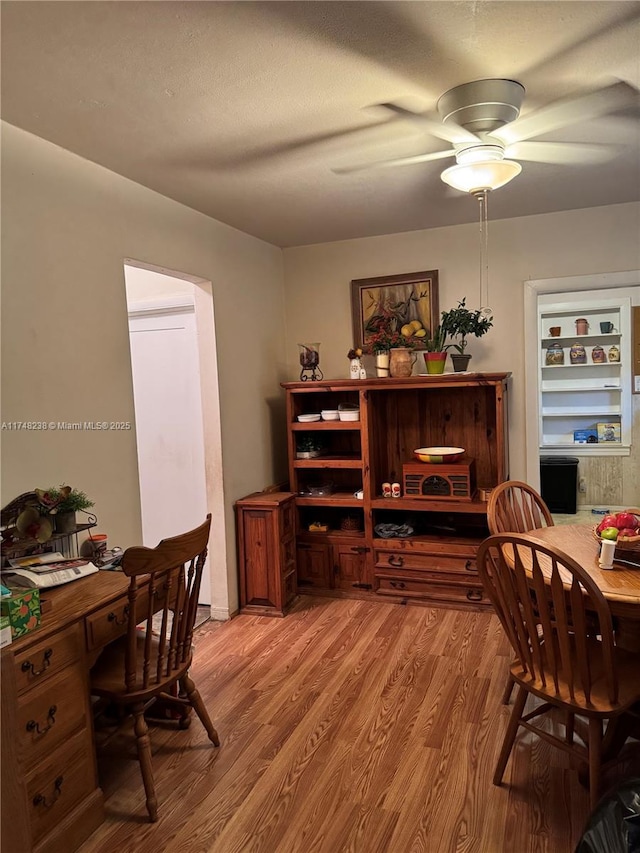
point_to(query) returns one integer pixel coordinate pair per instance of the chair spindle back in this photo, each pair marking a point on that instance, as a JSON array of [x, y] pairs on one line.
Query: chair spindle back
[[515, 507]]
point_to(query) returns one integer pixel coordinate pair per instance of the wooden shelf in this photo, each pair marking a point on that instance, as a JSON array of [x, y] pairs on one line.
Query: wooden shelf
[[325, 425], [429, 505], [328, 462], [335, 499]]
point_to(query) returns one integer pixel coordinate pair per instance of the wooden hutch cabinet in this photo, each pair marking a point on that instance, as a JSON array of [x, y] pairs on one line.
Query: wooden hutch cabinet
[[265, 527], [357, 551]]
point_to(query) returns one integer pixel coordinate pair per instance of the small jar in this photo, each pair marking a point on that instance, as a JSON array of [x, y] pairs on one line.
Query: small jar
[[598, 355], [554, 355], [614, 353], [582, 326], [578, 354]]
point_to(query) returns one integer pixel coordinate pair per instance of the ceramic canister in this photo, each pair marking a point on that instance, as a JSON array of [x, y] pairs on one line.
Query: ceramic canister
[[598, 355], [554, 355], [614, 353], [578, 354]]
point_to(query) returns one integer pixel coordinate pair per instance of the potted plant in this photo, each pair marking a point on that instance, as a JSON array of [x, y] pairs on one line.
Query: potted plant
[[436, 354], [383, 336], [308, 446], [63, 503], [460, 322]]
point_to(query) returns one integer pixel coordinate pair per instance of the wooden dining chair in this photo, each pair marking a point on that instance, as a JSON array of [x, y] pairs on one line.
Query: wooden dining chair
[[516, 507], [154, 656], [546, 603]]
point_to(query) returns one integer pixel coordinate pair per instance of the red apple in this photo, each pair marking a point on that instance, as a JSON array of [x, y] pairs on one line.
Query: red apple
[[628, 531], [625, 519], [607, 521]]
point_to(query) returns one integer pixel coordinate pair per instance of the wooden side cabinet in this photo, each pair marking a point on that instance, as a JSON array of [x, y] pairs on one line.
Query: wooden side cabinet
[[265, 524]]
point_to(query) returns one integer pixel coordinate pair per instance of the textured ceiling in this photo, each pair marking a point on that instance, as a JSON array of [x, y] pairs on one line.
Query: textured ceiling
[[242, 110]]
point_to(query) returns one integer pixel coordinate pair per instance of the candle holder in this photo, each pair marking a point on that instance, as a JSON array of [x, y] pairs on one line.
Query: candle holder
[[310, 360]]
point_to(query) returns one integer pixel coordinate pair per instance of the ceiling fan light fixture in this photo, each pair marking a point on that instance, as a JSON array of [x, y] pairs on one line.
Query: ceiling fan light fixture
[[480, 176]]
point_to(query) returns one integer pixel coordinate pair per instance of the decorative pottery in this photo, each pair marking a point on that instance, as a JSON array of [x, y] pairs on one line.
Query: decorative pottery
[[555, 331], [354, 368], [582, 326], [382, 364], [598, 355], [554, 355], [614, 353], [439, 454], [401, 362], [578, 354], [435, 361]]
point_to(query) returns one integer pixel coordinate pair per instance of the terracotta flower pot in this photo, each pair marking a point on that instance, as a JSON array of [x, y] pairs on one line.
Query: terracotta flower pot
[[435, 361]]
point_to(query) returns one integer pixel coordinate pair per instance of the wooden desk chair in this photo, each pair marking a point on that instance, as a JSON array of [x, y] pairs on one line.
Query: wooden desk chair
[[515, 507], [155, 655], [557, 657]]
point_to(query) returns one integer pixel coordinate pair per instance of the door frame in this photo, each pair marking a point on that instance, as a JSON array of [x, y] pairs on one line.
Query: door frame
[[202, 302]]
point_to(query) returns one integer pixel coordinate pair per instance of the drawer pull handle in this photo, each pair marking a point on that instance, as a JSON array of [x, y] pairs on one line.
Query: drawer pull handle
[[398, 584], [474, 595], [468, 566], [33, 726], [41, 800], [360, 549], [396, 561], [46, 662], [113, 617]]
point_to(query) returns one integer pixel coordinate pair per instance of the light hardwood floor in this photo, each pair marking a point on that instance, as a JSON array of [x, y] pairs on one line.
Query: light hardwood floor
[[346, 726]]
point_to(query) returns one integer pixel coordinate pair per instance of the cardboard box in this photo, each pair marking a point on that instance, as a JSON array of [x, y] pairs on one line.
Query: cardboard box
[[608, 432], [585, 436], [22, 609]]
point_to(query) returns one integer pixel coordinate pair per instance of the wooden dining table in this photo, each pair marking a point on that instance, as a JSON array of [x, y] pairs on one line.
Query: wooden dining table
[[620, 585], [621, 588]]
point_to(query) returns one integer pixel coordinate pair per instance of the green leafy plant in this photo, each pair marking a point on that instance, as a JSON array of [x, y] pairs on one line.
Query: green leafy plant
[[460, 322], [437, 343], [306, 443], [74, 501]]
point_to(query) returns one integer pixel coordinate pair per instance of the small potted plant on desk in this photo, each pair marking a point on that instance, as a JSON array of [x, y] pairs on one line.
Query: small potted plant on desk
[[436, 354], [460, 322], [64, 502]]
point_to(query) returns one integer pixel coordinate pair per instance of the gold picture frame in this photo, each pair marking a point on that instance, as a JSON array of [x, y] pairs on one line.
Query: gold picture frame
[[401, 298]]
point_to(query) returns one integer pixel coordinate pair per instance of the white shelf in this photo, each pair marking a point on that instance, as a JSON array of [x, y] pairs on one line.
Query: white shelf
[[611, 412], [584, 364], [578, 338]]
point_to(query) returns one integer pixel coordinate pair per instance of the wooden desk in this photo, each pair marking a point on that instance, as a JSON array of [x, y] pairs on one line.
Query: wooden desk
[[51, 800], [620, 585]]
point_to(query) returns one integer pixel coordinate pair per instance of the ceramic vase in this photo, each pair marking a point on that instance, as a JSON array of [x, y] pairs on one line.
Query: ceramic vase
[[401, 362], [435, 361]]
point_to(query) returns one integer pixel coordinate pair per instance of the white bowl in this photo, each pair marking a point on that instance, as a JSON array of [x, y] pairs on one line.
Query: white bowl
[[307, 419], [350, 416], [329, 414]]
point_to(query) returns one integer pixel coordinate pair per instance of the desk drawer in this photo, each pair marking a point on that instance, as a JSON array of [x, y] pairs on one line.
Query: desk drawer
[[49, 713], [60, 783], [43, 660], [107, 624]]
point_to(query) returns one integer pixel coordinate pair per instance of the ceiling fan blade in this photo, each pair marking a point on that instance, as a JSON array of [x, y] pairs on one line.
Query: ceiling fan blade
[[566, 153], [568, 111], [396, 161], [450, 132]]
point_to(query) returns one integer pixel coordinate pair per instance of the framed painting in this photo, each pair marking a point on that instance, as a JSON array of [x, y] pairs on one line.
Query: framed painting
[[386, 305]]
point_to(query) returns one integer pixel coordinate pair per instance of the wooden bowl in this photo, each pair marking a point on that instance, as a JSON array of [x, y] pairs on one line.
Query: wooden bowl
[[439, 454]]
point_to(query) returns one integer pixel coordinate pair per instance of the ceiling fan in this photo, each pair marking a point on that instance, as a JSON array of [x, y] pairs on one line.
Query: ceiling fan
[[481, 120]]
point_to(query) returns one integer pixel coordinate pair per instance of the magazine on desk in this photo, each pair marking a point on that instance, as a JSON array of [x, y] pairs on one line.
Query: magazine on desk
[[30, 572]]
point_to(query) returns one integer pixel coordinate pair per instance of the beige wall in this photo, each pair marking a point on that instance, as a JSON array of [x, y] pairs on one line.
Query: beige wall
[[67, 227], [317, 284]]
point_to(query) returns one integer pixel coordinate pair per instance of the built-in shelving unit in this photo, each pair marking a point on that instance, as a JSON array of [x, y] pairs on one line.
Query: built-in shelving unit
[[576, 397]]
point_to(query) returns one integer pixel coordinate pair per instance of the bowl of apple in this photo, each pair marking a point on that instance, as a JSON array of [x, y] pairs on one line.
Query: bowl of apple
[[623, 528]]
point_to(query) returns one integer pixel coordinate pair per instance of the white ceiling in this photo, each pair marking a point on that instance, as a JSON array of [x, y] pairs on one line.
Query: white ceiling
[[242, 109]]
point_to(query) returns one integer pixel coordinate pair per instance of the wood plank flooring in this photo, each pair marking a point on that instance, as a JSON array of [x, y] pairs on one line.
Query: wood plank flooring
[[346, 726]]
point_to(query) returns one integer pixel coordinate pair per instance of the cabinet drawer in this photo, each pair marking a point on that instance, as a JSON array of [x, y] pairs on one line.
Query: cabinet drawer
[[456, 564], [107, 624], [432, 591], [60, 783], [43, 660], [49, 713]]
